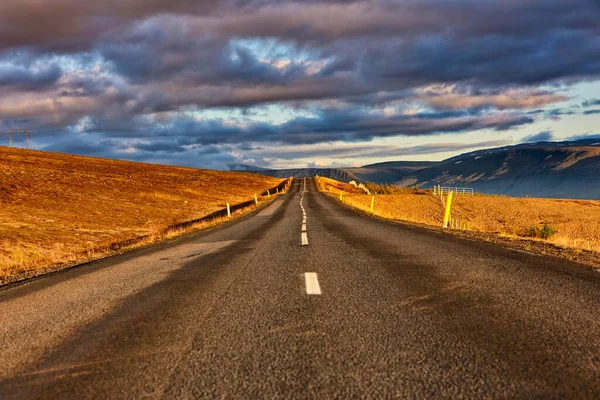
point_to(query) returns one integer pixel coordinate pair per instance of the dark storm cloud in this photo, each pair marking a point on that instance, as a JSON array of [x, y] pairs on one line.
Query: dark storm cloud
[[332, 125], [590, 112], [489, 60], [84, 146], [94, 145], [71, 25], [21, 77], [137, 69], [190, 61], [462, 18]]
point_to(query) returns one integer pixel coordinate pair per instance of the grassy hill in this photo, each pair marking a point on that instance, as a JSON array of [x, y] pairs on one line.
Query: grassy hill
[[569, 224], [61, 209]]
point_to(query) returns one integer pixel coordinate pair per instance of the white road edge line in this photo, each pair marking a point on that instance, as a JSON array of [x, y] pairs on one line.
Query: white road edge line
[[304, 239], [303, 227], [312, 283]]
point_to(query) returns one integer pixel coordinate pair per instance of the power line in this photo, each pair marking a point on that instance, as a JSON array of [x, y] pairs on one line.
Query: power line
[[12, 132]]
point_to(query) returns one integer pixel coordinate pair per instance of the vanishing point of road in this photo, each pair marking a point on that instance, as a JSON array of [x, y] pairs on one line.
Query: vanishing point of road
[[306, 299]]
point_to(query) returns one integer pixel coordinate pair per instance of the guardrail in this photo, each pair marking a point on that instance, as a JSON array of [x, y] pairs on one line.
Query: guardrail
[[437, 189]]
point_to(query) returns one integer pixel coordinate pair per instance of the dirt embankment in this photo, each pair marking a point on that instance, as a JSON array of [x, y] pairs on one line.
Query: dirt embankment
[[61, 209], [574, 224]]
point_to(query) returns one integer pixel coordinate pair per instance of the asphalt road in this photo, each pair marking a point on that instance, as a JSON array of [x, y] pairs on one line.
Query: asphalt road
[[358, 308]]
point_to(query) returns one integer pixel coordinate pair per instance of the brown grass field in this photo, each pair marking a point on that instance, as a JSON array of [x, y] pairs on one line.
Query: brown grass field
[[576, 222], [57, 209]]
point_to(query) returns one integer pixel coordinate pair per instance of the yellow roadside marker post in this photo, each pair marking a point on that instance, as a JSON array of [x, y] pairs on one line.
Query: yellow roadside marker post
[[228, 211], [372, 203], [447, 212], [255, 199], [268, 193]]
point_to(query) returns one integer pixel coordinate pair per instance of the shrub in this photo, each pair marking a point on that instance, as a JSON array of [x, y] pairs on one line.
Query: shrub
[[546, 232], [532, 231]]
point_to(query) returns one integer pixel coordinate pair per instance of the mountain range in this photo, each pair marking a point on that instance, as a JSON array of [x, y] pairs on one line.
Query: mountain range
[[569, 169]]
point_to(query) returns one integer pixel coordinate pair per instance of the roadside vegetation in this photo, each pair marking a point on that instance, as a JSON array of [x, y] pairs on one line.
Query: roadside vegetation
[[562, 222], [376, 188], [57, 210], [333, 186]]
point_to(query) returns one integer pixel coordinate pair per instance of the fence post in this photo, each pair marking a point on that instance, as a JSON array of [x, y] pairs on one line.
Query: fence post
[[228, 211], [268, 193], [255, 199], [447, 212], [277, 190], [372, 203]]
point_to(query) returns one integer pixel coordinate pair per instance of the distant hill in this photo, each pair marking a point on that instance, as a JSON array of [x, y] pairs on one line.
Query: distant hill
[[344, 175], [559, 170], [547, 169], [397, 172]]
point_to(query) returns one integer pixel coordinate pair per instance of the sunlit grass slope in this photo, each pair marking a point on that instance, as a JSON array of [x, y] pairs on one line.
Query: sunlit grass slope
[[56, 208], [574, 223]]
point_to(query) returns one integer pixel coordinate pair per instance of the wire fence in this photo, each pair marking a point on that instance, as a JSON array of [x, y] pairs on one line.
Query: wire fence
[[456, 190]]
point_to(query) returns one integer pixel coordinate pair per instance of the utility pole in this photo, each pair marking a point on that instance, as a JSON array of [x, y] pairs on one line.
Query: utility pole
[[12, 132]]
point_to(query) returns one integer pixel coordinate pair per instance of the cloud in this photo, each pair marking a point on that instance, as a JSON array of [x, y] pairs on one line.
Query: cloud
[[349, 152], [162, 78], [160, 153], [590, 112], [73, 25], [591, 103], [21, 77], [509, 99], [325, 126], [544, 136]]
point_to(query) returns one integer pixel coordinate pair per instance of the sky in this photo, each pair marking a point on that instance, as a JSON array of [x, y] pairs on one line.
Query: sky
[[281, 83]]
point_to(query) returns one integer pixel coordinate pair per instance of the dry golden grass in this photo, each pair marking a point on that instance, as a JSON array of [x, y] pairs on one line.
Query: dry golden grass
[[57, 209], [576, 221], [333, 186]]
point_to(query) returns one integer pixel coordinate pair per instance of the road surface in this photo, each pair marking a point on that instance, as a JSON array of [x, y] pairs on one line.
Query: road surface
[[340, 306]]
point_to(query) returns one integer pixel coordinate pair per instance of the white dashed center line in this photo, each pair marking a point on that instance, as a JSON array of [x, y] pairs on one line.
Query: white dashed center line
[[304, 235], [312, 283]]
